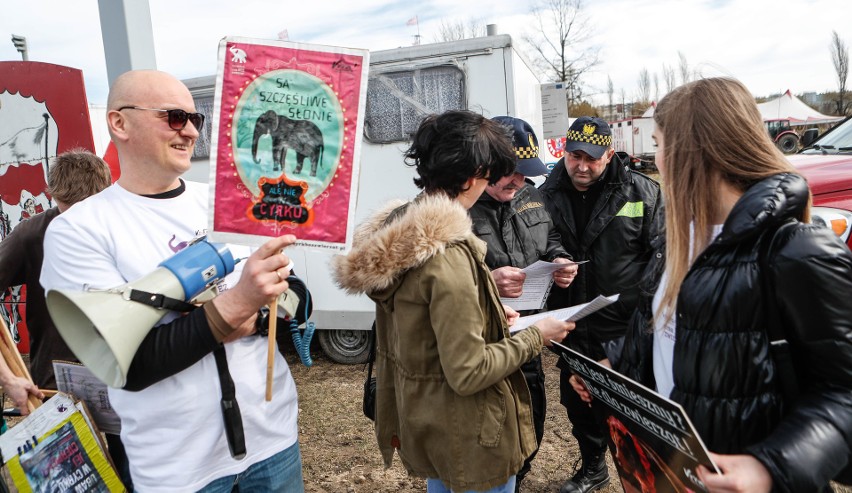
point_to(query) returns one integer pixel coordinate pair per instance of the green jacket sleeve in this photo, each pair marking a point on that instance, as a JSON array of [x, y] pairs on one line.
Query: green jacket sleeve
[[473, 352]]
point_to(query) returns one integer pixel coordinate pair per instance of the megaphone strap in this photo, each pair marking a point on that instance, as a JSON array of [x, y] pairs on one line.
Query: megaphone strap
[[230, 408], [159, 301]]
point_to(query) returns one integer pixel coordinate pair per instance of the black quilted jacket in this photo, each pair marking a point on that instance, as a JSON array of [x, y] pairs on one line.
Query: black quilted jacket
[[724, 374]]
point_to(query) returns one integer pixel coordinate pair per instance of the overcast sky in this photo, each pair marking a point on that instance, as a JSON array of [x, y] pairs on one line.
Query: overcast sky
[[771, 45]]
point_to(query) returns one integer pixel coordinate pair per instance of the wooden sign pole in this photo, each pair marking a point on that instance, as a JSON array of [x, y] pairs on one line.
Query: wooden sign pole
[[15, 362], [273, 346]]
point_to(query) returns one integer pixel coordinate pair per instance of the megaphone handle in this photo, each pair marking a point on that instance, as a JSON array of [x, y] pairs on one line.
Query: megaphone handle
[[270, 354]]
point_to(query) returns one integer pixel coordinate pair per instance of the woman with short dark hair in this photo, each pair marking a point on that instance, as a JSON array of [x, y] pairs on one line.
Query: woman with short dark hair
[[450, 397]]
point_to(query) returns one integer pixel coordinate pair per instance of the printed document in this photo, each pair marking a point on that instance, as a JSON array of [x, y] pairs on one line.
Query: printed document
[[570, 314], [77, 380], [536, 285]]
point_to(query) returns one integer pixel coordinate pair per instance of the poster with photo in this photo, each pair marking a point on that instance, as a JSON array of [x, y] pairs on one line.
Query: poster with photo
[[287, 125], [57, 449], [653, 443]]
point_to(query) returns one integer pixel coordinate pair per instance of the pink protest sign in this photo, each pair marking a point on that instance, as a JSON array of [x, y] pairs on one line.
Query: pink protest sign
[[287, 124]]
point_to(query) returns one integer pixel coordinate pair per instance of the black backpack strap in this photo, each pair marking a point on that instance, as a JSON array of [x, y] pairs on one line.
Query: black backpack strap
[[230, 408]]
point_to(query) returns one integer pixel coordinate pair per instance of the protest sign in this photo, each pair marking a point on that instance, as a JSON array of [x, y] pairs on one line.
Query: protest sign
[[287, 127], [57, 448], [653, 443]]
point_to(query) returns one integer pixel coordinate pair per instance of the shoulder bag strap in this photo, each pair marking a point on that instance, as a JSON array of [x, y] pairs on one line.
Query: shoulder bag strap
[[372, 356]]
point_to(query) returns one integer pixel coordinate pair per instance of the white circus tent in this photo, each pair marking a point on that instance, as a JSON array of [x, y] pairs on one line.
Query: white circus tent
[[789, 107]]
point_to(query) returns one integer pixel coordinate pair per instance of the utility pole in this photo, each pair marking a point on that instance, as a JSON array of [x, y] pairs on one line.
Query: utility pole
[[20, 43], [128, 36]]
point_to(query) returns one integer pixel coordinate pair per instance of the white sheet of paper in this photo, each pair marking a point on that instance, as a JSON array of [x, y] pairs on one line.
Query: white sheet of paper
[[570, 314], [78, 380], [536, 285], [38, 423]]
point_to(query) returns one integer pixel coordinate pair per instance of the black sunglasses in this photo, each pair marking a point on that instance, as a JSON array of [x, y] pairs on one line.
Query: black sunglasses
[[177, 117]]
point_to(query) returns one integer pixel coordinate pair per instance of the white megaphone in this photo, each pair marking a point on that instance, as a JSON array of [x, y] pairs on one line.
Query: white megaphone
[[104, 328]]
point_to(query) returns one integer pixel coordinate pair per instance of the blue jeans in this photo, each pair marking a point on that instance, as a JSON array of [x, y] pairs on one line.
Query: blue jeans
[[280, 473], [436, 486]]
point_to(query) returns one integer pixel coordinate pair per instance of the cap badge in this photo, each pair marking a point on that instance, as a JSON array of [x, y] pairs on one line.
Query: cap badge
[[589, 129]]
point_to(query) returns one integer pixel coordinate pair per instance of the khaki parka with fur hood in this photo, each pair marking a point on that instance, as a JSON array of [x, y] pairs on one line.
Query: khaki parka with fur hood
[[450, 396]]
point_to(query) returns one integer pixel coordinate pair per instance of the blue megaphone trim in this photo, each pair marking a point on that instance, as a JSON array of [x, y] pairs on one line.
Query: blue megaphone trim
[[199, 264]]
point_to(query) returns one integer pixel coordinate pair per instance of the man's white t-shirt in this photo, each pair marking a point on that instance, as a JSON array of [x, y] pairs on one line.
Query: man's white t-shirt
[[665, 327], [173, 431]]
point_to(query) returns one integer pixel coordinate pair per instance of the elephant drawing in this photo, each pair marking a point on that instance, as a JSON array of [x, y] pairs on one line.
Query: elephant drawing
[[239, 56], [303, 136]]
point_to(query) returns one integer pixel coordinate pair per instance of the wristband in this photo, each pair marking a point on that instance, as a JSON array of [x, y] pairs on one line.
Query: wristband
[[217, 324]]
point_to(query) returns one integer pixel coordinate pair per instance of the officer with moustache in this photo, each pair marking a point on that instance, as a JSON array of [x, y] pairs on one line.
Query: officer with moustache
[[510, 217]]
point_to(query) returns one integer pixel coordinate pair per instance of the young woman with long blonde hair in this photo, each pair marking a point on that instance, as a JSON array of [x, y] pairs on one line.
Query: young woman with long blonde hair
[[740, 263]]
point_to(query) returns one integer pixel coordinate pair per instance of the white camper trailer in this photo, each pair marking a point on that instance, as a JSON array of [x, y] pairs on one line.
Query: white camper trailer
[[487, 75], [633, 136]]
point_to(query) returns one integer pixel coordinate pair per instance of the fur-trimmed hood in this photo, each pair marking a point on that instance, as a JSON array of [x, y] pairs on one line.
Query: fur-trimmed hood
[[385, 247]]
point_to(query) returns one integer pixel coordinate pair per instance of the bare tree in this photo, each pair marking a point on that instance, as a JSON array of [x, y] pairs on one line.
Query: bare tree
[[669, 78], [644, 82], [840, 57], [685, 75], [656, 87], [562, 43], [609, 92], [458, 30]]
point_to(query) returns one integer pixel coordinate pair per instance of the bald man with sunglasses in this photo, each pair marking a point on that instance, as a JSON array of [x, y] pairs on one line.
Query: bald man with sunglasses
[[171, 406]]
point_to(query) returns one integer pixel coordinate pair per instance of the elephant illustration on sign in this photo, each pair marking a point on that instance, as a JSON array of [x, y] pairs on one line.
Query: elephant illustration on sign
[[239, 56], [302, 136]]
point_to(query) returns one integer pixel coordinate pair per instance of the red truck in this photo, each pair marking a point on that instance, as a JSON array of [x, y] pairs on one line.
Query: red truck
[[827, 165]]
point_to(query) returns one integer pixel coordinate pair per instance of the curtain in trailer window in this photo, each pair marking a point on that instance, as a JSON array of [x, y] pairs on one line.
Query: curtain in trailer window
[[398, 101], [204, 105]]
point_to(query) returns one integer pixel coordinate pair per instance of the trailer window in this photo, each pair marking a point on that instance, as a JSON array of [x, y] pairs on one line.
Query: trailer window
[[398, 101], [204, 105]]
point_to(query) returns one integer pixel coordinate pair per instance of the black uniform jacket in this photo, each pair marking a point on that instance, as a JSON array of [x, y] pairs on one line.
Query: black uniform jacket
[[518, 232], [616, 240]]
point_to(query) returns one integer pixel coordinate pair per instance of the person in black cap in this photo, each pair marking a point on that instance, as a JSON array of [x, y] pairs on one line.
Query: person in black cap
[[610, 215], [511, 219]]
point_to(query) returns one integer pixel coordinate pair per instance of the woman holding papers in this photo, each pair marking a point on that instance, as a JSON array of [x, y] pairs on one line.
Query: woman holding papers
[[450, 396], [741, 263]]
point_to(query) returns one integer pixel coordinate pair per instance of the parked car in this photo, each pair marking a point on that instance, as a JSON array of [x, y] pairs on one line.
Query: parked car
[[827, 164]]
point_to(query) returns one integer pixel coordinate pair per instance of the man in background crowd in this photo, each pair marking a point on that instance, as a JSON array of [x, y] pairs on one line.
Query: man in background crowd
[[74, 175]]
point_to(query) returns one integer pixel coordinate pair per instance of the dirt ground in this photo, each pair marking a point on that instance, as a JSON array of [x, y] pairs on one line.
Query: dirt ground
[[339, 451]]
